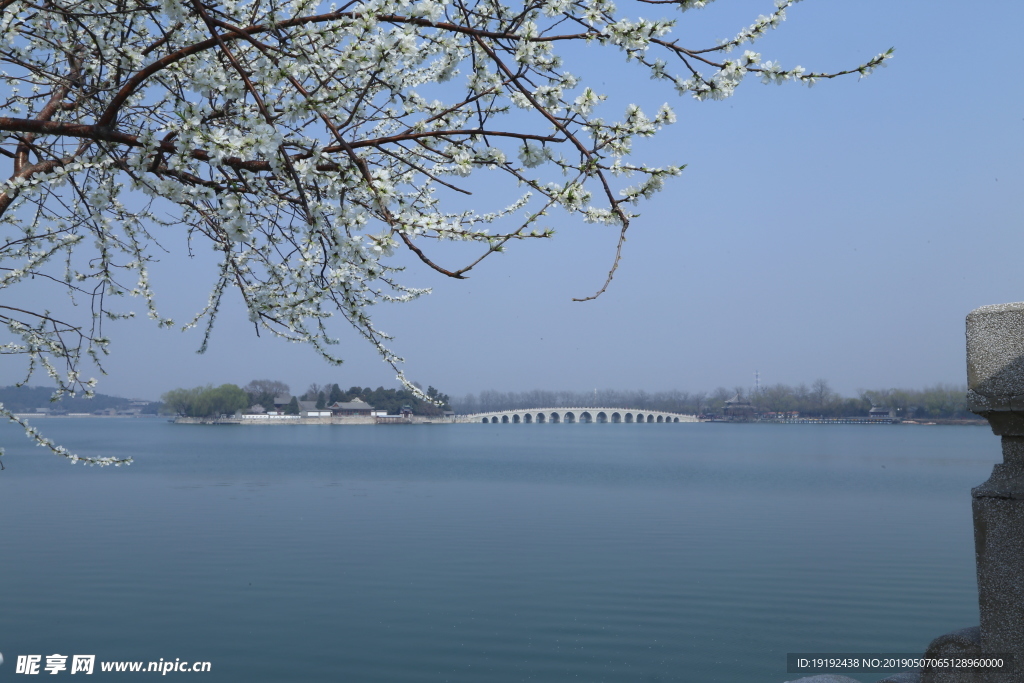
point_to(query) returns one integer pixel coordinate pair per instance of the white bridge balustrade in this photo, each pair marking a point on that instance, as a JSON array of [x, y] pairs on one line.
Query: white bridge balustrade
[[575, 415]]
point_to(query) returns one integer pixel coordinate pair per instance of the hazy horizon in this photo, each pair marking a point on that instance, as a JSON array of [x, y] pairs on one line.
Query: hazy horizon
[[297, 390]]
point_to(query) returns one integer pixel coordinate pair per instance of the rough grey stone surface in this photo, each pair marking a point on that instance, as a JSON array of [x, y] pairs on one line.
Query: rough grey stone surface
[[995, 379], [995, 350], [825, 678], [999, 546], [995, 366], [1007, 479], [965, 642]]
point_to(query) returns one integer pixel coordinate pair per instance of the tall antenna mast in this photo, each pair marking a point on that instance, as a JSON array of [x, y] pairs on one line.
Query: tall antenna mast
[[757, 382]]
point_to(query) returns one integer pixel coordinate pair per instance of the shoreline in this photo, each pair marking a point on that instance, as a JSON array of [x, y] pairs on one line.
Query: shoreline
[[416, 419], [26, 416], [296, 420]]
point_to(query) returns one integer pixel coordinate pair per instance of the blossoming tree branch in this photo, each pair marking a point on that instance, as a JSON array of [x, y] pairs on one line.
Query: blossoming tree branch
[[306, 144]]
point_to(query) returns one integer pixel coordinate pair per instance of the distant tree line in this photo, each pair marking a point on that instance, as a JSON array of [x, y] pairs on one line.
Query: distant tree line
[[210, 401], [816, 400], [27, 399]]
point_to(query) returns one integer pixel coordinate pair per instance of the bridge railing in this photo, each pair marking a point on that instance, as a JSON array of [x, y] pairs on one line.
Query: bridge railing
[[530, 415]]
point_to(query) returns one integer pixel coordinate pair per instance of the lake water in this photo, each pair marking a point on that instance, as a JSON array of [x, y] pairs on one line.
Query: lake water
[[497, 553]]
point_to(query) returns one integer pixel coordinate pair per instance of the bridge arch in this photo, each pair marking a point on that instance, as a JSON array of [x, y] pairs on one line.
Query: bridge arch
[[577, 415]]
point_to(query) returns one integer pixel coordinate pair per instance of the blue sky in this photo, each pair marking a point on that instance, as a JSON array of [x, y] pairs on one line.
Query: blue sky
[[842, 231]]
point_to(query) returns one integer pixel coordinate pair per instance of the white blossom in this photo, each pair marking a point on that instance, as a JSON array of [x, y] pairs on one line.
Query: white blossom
[[533, 155], [307, 151]]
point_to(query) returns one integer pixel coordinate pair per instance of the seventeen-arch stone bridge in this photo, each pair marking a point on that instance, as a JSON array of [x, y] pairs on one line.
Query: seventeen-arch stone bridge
[[576, 415]]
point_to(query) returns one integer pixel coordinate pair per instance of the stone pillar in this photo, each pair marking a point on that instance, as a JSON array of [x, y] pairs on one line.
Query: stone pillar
[[995, 380]]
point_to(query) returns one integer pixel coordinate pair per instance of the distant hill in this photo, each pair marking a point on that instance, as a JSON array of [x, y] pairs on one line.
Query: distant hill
[[28, 399]]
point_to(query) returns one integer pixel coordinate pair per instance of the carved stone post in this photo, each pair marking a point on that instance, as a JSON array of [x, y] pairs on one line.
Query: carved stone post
[[995, 379]]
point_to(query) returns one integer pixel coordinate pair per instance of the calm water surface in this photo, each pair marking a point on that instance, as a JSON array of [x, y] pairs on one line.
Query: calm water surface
[[498, 553]]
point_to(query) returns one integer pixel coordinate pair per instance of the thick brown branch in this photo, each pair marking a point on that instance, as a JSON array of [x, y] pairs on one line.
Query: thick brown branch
[[133, 83], [45, 114], [42, 167], [445, 133], [108, 134]]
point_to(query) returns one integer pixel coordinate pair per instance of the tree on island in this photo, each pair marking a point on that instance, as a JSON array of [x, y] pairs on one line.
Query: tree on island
[[208, 401], [437, 397], [263, 392], [392, 400], [306, 145]]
